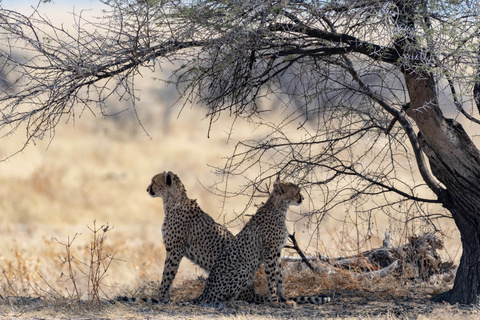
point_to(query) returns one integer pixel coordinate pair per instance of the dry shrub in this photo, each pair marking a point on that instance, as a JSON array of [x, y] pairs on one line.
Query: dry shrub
[[82, 269], [90, 271], [22, 268], [19, 274]]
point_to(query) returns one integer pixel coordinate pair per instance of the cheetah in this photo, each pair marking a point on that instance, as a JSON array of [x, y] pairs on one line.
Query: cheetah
[[187, 230], [260, 241]]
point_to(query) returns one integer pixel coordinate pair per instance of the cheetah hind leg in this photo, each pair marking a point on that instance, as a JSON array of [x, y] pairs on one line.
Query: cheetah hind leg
[[250, 296]]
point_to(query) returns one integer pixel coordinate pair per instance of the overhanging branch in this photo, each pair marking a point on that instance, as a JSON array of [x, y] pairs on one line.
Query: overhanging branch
[[344, 43]]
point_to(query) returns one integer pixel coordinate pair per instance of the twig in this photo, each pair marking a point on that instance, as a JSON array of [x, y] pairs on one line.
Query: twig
[[68, 260], [299, 251], [9, 284], [50, 286], [36, 308]]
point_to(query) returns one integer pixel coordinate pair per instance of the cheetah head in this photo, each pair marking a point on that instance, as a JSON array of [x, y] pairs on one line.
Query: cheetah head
[[287, 192], [165, 185]]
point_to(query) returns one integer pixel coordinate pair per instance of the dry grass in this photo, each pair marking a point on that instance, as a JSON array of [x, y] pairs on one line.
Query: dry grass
[[356, 298]]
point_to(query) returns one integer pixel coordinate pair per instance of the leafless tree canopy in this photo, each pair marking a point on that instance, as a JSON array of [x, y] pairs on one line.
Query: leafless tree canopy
[[336, 63]]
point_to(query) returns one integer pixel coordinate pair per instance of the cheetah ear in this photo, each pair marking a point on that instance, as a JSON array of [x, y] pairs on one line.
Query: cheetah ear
[[278, 188], [169, 179]]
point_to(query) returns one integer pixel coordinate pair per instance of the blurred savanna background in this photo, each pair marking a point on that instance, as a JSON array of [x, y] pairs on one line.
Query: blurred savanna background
[[93, 171]]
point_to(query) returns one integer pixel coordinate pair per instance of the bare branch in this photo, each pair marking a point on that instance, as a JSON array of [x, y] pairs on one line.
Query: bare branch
[[344, 44]]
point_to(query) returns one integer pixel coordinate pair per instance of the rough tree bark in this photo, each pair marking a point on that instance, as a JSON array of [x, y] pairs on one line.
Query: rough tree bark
[[454, 160]]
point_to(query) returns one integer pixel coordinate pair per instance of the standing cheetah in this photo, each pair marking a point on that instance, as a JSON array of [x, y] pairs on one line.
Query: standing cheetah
[[187, 230], [260, 241]]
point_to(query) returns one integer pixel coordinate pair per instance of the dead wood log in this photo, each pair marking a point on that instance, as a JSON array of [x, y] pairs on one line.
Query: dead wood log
[[379, 273], [418, 258]]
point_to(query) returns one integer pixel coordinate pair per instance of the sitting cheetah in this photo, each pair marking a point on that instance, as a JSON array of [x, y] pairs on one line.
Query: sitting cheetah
[[260, 241], [187, 230]]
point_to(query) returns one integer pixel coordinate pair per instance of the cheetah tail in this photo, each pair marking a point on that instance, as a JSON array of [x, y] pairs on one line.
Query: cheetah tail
[[317, 300], [136, 300]]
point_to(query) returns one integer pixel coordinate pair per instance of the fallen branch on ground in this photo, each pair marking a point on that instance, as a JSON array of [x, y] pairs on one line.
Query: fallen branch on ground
[[418, 258]]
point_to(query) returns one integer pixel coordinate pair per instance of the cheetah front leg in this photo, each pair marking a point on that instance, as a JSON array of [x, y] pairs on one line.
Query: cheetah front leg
[[270, 265], [282, 297], [276, 291], [172, 261]]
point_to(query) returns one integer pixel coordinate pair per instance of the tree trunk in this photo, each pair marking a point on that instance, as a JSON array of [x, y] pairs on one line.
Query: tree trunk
[[454, 161], [466, 289]]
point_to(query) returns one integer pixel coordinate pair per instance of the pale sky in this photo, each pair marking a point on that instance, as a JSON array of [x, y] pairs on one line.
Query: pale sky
[[12, 3], [58, 11], [25, 6]]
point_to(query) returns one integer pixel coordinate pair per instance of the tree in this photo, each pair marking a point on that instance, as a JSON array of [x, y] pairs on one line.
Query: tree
[[372, 77]]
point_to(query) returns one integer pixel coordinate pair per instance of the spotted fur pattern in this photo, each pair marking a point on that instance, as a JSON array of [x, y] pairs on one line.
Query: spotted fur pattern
[[259, 242]]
